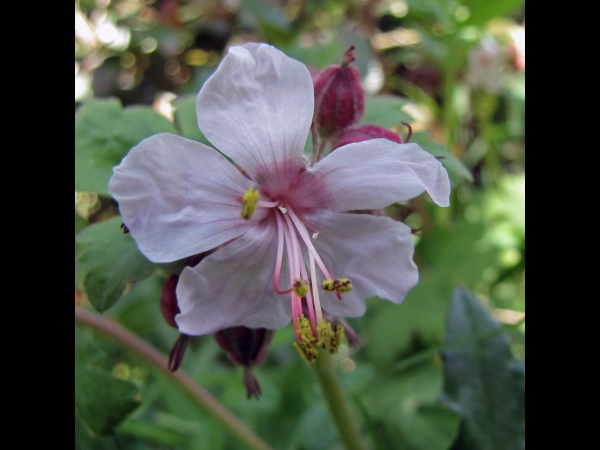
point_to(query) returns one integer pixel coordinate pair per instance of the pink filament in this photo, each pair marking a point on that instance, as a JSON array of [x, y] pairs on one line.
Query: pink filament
[[279, 260]]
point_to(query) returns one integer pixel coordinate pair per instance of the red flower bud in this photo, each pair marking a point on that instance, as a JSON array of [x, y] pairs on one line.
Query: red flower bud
[[339, 97], [364, 133], [168, 300], [246, 347]]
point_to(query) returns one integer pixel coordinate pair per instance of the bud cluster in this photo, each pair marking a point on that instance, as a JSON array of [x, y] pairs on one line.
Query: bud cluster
[[340, 106]]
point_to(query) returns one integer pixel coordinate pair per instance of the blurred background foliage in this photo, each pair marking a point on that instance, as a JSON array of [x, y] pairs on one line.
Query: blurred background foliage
[[442, 371]]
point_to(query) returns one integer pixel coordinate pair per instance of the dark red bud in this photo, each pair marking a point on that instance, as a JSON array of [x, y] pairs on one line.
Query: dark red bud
[[364, 133], [177, 352], [168, 300], [339, 97], [246, 347]]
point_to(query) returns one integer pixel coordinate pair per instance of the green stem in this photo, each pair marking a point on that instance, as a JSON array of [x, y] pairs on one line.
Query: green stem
[[339, 407], [153, 356]]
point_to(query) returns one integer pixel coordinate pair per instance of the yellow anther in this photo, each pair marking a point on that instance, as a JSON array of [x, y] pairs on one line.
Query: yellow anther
[[305, 339], [249, 201], [330, 338], [300, 288], [328, 285], [341, 285]]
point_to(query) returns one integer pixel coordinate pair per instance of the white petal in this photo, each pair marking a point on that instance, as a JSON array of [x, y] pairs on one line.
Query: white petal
[[376, 173], [179, 197], [374, 252], [257, 108], [234, 286]]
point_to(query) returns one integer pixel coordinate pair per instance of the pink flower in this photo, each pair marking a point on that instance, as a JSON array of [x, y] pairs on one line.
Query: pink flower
[[292, 238]]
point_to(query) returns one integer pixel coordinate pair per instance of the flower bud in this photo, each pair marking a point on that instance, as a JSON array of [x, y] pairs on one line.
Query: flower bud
[[339, 97], [246, 347], [168, 300], [364, 133]]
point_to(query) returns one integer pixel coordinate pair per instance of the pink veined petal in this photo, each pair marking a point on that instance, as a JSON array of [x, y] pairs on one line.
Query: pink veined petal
[[257, 109], [234, 286], [178, 197], [374, 174], [376, 253]]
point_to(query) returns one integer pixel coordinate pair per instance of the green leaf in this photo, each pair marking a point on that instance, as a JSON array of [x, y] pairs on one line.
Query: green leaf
[[409, 409], [101, 400], [104, 133], [456, 169], [111, 260], [385, 111], [482, 10], [186, 119], [432, 426], [483, 382]]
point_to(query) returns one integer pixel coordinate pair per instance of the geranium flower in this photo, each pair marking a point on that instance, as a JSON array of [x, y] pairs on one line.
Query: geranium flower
[[288, 236]]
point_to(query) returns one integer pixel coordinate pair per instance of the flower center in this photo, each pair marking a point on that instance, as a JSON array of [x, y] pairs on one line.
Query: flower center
[[294, 239]]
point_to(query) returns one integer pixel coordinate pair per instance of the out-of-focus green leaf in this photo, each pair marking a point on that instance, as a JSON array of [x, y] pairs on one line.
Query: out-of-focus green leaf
[[385, 111], [415, 324], [111, 260], [80, 223], [104, 133], [406, 407], [431, 426], [269, 17], [186, 119], [101, 400], [483, 382], [481, 10], [456, 169]]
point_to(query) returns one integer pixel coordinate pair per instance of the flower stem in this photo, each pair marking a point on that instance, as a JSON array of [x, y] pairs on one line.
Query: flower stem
[[337, 401], [199, 394]]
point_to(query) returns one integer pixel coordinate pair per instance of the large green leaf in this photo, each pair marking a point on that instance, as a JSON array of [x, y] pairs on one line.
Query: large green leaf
[[101, 400], [111, 260], [104, 133], [483, 382], [407, 407]]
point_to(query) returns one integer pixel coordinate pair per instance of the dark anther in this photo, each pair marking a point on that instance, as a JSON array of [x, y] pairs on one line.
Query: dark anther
[[415, 231], [124, 228], [440, 157], [409, 135]]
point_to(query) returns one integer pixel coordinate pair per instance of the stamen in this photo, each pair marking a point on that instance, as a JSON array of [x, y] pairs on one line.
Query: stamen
[[339, 285], [315, 288], [266, 204], [282, 209], [330, 339], [298, 266], [304, 339], [311, 248], [249, 202], [300, 288], [315, 235], [293, 249], [279, 260]]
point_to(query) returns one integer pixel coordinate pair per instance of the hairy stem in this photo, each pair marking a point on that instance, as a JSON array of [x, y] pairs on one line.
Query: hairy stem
[[337, 401], [160, 361]]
